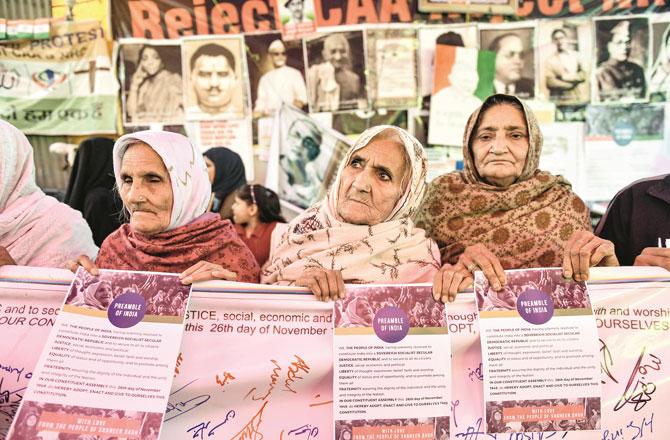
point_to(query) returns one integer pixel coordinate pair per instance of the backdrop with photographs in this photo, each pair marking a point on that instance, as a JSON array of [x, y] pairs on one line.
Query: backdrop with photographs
[[336, 78], [564, 52], [215, 89], [151, 75], [392, 67], [621, 59], [515, 58], [286, 86]]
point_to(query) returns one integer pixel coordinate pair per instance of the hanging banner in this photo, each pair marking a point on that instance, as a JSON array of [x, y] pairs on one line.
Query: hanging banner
[[60, 86], [225, 330]]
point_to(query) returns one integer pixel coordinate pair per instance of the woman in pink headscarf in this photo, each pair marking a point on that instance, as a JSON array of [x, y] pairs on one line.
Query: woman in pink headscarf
[[35, 229], [362, 231], [165, 190]]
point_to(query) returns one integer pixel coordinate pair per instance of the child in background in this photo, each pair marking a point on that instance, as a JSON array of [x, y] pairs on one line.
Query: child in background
[[256, 212]]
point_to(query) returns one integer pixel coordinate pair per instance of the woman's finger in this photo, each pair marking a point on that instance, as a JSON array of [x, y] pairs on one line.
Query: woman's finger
[[224, 274], [193, 269]]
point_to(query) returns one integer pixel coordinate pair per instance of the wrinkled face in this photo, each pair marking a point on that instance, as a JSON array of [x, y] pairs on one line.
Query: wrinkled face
[[104, 294], [507, 296], [336, 52], [364, 310], [146, 190], [372, 183], [278, 55], [500, 145], [619, 46], [214, 82], [151, 61], [296, 7], [211, 169], [509, 59], [241, 211]]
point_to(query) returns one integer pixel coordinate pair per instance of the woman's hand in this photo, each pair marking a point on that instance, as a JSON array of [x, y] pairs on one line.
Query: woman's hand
[[478, 257], [5, 258], [205, 271], [325, 284], [653, 256], [85, 262], [449, 280], [584, 250]]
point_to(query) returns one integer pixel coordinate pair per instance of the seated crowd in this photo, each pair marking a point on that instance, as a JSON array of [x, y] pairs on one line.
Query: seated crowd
[[379, 223]]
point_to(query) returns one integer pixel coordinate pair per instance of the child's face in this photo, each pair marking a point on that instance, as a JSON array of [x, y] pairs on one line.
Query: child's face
[[241, 211]]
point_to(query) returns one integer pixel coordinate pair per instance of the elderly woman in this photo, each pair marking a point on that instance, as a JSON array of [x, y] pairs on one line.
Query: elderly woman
[[362, 231], [165, 190], [97, 295], [35, 229], [501, 212]]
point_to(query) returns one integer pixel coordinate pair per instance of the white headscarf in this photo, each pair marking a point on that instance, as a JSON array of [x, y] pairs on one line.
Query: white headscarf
[[392, 251], [191, 189], [36, 230]]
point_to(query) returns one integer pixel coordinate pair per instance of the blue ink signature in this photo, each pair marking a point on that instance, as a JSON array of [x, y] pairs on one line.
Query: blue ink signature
[[15, 370], [476, 433], [634, 432], [311, 431], [176, 409], [202, 427], [476, 372]]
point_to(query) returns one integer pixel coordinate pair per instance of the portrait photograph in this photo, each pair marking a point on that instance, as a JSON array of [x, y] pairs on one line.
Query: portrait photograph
[[215, 78], [297, 18], [276, 73], [151, 76], [621, 59], [659, 78], [515, 58], [336, 71], [565, 54], [306, 156]]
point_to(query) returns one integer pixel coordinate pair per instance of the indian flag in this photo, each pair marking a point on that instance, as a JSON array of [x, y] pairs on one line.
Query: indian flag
[[463, 79]]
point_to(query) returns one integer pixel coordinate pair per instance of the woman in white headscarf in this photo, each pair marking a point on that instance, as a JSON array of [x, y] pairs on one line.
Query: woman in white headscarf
[[165, 190], [362, 231], [35, 229]]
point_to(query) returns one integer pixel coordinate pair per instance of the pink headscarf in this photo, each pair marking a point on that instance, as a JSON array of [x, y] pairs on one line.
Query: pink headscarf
[[191, 189], [393, 251], [36, 230]]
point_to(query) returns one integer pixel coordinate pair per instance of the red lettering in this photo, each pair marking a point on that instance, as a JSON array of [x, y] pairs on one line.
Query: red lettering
[[225, 19], [357, 9], [527, 8], [176, 20], [249, 20], [607, 5], [625, 4], [659, 2], [397, 8], [200, 12], [575, 7], [146, 19], [334, 15], [550, 8]]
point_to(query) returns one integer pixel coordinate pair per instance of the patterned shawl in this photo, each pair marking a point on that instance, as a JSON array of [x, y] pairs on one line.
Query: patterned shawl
[[393, 251], [525, 224]]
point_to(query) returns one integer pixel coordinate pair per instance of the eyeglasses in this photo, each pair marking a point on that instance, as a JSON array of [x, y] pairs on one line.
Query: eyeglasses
[[278, 53]]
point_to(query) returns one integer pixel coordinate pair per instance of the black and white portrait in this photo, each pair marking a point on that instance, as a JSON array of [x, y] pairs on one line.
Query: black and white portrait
[[659, 82], [565, 60], [276, 73], [336, 71], [152, 82], [216, 75], [621, 59], [515, 59]]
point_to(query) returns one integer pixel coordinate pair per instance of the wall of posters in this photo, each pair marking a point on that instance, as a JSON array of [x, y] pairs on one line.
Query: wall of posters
[[63, 85]]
